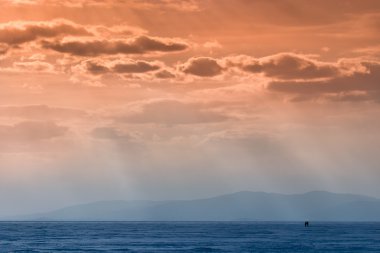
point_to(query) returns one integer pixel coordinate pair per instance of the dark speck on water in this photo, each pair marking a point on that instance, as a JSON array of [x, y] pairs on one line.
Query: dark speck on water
[[189, 237]]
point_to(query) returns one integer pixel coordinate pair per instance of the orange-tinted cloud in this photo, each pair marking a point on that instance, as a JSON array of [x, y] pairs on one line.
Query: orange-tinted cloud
[[31, 131], [38, 112], [3, 48], [283, 66], [127, 66], [164, 74], [289, 66], [134, 67], [110, 133], [342, 86], [352, 96], [31, 67], [202, 66], [180, 5], [14, 33], [96, 47], [279, 67], [173, 112]]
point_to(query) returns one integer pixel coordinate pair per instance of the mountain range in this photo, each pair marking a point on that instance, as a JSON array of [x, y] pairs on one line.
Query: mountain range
[[240, 206]]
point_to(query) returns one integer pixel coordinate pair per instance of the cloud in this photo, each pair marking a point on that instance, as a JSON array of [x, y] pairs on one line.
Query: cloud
[[95, 47], [366, 82], [40, 112], [202, 66], [173, 112], [134, 67], [286, 66], [104, 66], [3, 48], [18, 32], [275, 68], [282, 66], [353, 96], [28, 131], [372, 51], [29, 35], [95, 68], [164, 74], [31, 67], [109, 133], [180, 5]]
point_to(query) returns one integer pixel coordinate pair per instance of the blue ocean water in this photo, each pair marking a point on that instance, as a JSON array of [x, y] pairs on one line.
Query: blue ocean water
[[188, 237]]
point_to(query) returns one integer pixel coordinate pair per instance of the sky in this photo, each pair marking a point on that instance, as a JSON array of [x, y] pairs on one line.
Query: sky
[[169, 99]]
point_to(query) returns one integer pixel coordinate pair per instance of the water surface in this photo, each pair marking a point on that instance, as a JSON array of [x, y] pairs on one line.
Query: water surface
[[188, 237]]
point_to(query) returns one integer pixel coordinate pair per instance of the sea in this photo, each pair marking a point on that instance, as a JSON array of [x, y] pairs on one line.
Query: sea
[[189, 237]]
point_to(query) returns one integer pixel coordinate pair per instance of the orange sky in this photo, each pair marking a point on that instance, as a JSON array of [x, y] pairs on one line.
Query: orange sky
[[171, 99]]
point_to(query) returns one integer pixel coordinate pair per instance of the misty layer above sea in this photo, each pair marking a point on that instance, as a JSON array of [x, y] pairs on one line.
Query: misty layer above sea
[[188, 237]]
